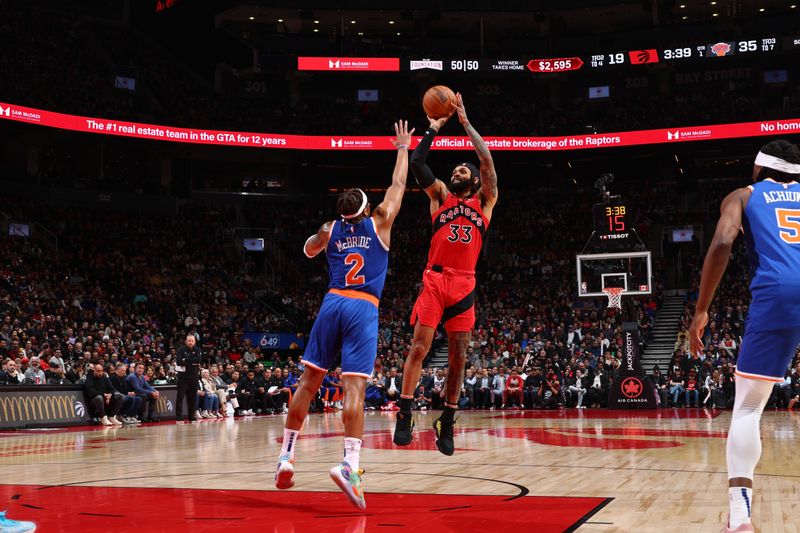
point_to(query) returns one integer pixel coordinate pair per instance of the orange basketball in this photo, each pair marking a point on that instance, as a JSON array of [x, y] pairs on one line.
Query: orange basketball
[[437, 100]]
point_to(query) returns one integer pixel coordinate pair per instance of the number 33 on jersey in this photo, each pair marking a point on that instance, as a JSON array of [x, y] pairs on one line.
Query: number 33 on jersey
[[458, 228]]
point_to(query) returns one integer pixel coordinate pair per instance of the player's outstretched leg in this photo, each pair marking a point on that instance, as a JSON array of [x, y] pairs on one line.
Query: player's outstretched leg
[[423, 337], [310, 382], [744, 450], [347, 474], [457, 343]]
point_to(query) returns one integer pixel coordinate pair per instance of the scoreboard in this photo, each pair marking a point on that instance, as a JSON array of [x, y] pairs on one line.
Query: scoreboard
[[607, 59]]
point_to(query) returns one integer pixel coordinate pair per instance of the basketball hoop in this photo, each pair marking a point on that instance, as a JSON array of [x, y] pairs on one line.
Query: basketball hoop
[[614, 296]]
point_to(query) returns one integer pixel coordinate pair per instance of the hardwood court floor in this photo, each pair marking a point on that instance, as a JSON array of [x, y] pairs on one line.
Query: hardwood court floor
[[590, 471]]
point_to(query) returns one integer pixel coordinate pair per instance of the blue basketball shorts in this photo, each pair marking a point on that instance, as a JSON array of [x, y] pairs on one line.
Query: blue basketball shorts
[[345, 324], [766, 354]]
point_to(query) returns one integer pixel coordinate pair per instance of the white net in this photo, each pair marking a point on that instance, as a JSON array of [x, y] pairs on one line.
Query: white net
[[614, 296]]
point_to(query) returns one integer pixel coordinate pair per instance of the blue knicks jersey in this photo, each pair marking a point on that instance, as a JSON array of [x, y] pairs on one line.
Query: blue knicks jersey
[[357, 258], [772, 235]]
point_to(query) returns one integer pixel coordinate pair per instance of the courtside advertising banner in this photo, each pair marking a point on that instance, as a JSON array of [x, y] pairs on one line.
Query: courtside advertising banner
[[139, 130]]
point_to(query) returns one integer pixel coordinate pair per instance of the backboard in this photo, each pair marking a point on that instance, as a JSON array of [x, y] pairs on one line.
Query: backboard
[[633, 271]]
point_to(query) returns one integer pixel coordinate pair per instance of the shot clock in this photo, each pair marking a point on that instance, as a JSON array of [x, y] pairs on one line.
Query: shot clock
[[612, 219]]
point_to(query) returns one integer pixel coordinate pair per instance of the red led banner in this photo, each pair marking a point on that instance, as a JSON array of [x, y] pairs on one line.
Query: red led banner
[[333, 142], [349, 64]]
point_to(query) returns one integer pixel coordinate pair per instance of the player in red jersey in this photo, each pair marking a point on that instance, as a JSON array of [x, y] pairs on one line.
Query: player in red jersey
[[460, 212]]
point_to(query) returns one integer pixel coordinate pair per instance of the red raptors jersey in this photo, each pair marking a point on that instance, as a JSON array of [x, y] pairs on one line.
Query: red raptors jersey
[[458, 228]]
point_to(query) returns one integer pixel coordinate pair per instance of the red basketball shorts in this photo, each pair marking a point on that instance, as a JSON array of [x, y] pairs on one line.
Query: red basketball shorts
[[447, 297]]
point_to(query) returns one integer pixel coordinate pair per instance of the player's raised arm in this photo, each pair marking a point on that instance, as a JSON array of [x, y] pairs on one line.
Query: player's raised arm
[[317, 242], [488, 190], [388, 209], [434, 188], [728, 227]]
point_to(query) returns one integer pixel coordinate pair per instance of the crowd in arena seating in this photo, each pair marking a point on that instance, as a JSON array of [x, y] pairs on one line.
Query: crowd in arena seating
[[118, 294], [123, 289]]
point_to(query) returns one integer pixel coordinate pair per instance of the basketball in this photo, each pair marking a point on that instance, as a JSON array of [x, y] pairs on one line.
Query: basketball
[[437, 100]]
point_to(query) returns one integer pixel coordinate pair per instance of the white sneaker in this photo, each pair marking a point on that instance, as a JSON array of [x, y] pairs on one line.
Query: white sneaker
[[218, 415], [130, 420], [105, 421], [285, 473], [116, 420], [206, 414], [285, 410]]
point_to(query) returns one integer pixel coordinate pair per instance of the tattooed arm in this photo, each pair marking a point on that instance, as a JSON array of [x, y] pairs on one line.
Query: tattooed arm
[[488, 190]]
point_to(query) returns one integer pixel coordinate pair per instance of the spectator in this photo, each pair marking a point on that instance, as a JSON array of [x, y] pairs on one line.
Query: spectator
[[660, 386], [247, 392], [513, 390], [394, 384], [598, 393], [692, 390], [468, 389], [132, 403], [550, 391], [422, 398], [143, 390], [533, 381], [208, 393], [10, 375], [104, 400], [676, 387], [374, 396], [57, 376], [34, 375], [498, 388], [483, 389], [222, 391]]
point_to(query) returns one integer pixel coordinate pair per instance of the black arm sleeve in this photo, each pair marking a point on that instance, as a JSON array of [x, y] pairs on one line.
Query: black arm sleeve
[[421, 170]]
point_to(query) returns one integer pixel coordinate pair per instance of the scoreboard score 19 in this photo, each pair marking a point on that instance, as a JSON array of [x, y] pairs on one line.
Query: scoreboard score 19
[[611, 219]]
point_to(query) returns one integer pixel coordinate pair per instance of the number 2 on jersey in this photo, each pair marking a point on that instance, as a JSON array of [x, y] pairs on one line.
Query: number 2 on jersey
[[352, 277], [789, 223]]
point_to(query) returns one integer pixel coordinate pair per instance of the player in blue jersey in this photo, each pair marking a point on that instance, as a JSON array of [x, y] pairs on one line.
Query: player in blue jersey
[[357, 248], [768, 213]]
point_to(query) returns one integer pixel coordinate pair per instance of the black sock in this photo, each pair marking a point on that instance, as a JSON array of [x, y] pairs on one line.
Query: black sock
[[448, 413], [405, 405]]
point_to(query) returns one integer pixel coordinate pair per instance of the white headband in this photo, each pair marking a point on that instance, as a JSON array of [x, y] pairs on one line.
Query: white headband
[[360, 209], [776, 163]]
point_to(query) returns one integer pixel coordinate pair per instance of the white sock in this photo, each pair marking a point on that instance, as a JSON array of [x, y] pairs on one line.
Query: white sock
[[352, 449], [289, 441], [741, 499]]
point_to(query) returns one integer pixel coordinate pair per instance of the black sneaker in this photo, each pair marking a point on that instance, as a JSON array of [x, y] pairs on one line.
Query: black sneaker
[[444, 436], [403, 430]]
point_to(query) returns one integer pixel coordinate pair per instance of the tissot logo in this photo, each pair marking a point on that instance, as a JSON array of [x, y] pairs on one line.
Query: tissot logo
[[336, 143], [5, 111], [426, 63], [673, 135], [333, 64]]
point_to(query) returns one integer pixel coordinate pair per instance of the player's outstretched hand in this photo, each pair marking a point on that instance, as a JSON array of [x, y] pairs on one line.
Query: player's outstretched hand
[[458, 107], [402, 135], [696, 331]]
